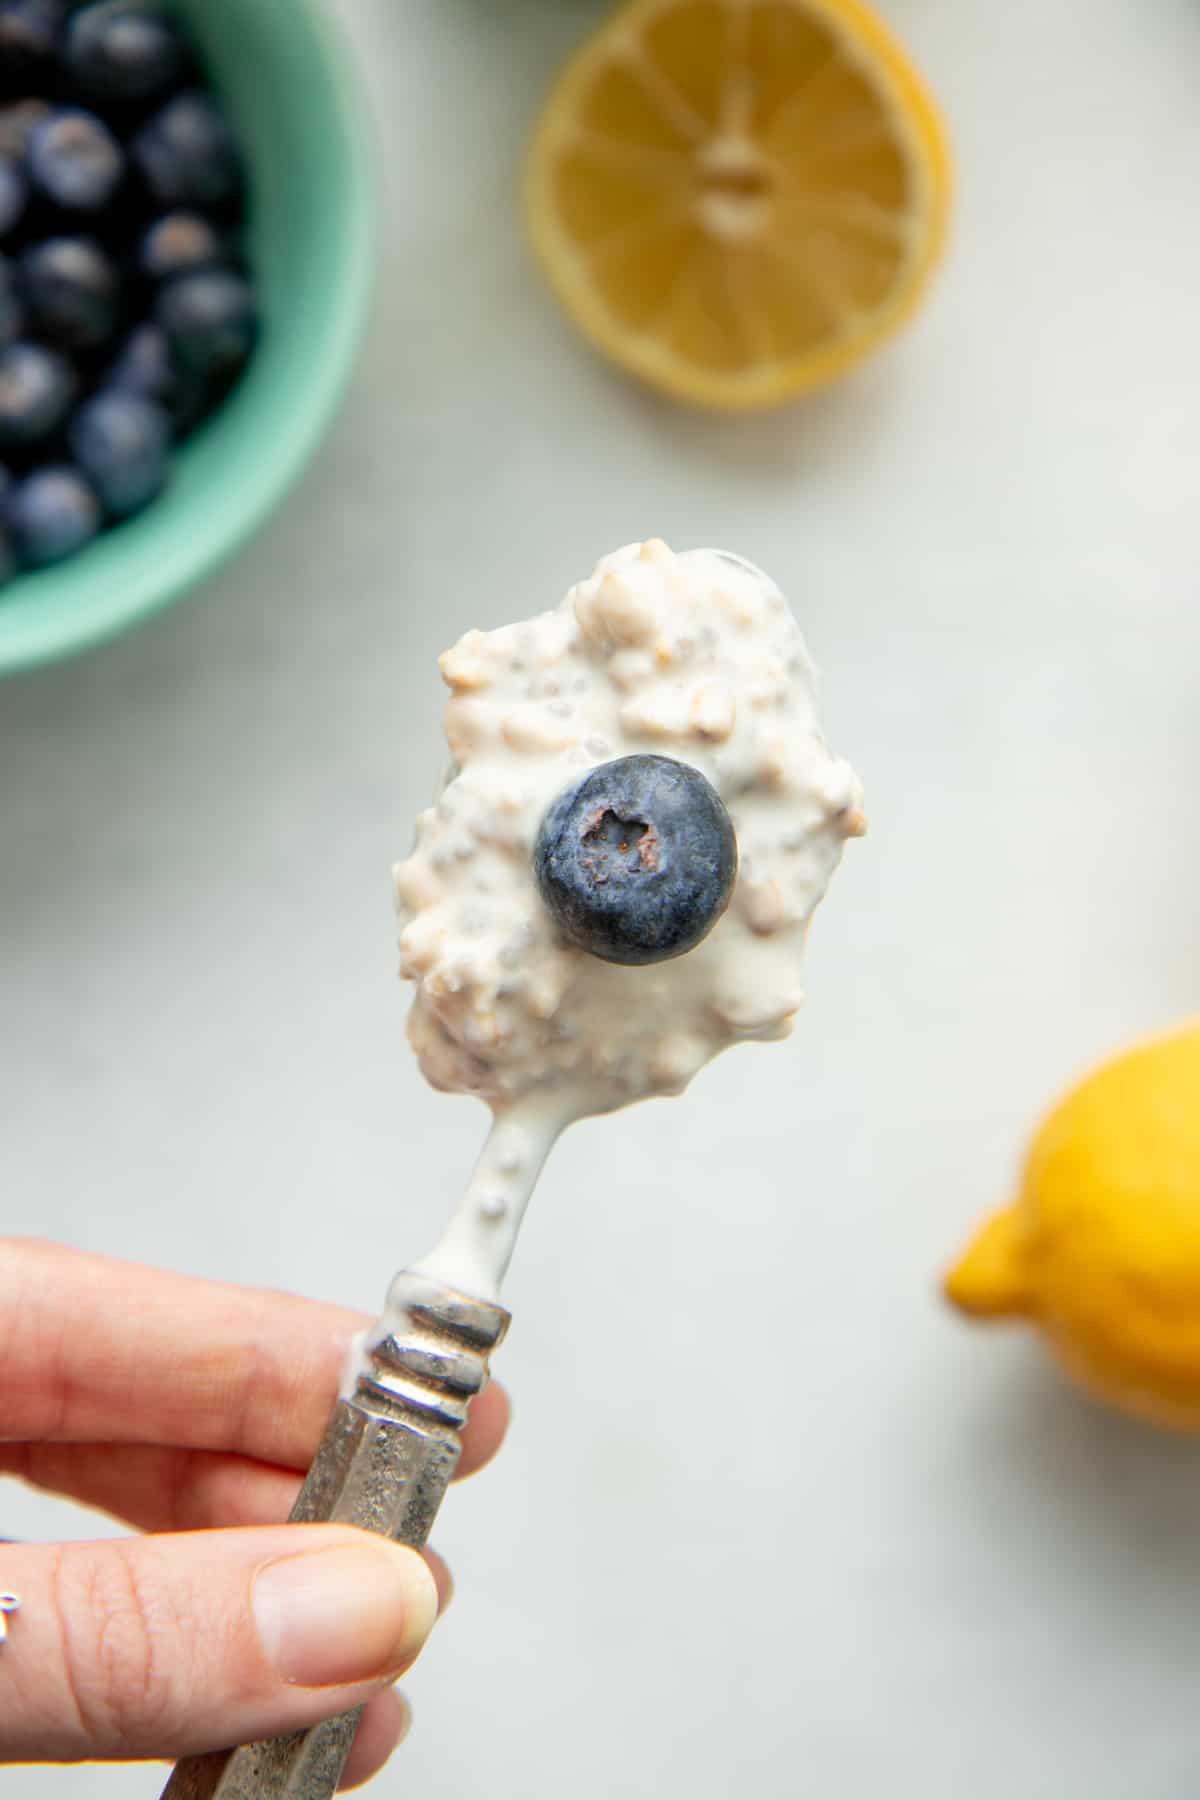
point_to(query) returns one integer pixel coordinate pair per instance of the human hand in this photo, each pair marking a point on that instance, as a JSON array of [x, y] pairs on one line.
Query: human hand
[[177, 1406]]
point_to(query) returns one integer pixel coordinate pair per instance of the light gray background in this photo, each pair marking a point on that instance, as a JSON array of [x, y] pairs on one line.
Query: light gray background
[[922, 1567]]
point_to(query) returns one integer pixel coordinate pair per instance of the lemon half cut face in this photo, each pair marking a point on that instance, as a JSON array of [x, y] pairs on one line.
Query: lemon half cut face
[[737, 200]]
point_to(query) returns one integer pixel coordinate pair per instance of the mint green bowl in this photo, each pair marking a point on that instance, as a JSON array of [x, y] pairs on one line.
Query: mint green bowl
[[284, 78]]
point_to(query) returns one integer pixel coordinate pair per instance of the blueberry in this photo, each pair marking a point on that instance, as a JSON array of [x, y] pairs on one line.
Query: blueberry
[[212, 322], [143, 364], [75, 160], [14, 194], [17, 120], [11, 311], [120, 441], [28, 44], [188, 156], [123, 50], [37, 391], [636, 861], [49, 515], [178, 242], [72, 291]]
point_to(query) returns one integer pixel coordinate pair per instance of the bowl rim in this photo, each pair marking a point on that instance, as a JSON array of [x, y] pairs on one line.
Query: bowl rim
[[41, 640]]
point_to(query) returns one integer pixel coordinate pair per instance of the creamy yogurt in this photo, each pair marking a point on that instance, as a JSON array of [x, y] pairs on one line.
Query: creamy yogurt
[[694, 656]]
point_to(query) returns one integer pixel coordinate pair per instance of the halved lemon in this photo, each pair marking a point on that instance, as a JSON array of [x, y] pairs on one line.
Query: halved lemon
[[737, 200]]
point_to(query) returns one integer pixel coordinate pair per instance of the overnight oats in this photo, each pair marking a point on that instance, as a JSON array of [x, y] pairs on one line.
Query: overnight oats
[[616, 880]]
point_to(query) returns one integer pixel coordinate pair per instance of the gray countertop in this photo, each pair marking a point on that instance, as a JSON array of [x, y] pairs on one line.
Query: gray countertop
[[924, 1567]]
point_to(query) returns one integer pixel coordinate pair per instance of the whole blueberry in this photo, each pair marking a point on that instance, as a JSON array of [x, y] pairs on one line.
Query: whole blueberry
[[143, 364], [636, 861], [17, 120], [146, 365], [12, 314], [120, 441], [178, 242], [125, 50], [28, 44], [211, 320], [49, 515], [71, 290], [75, 160], [14, 194], [188, 156], [37, 391]]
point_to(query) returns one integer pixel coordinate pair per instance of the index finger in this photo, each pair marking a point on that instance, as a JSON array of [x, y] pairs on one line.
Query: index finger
[[100, 1351]]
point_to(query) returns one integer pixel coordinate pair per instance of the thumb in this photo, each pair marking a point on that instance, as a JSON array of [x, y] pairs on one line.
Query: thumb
[[161, 1646]]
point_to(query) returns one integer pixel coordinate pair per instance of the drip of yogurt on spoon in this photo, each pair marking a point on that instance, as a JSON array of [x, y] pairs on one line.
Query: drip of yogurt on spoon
[[693, 656]]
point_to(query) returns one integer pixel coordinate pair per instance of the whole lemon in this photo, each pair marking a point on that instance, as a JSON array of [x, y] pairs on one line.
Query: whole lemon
[[1101, 1251]]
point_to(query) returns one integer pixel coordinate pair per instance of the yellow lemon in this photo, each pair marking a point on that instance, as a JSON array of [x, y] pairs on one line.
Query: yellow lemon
[[739, 199], [1101, 1250]]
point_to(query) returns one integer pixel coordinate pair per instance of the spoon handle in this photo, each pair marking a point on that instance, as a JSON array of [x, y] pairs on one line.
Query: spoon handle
[[386, 1460]]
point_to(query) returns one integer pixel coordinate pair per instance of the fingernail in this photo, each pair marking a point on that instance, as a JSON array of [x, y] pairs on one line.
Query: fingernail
[[354, 1612]]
